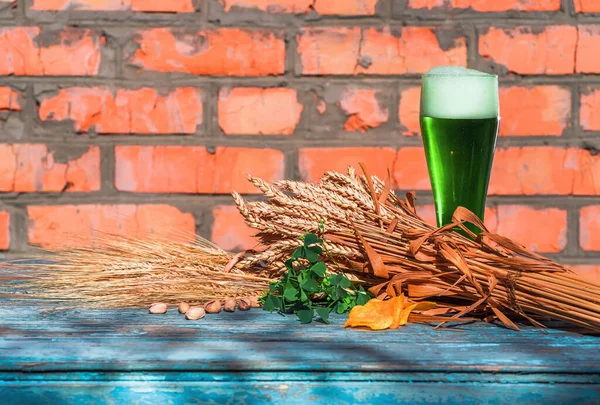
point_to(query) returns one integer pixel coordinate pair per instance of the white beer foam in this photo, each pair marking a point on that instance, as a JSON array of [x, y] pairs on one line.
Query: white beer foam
[[456, 92]]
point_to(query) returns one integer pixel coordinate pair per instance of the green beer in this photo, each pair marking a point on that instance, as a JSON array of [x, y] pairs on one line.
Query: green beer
[[459, 125]]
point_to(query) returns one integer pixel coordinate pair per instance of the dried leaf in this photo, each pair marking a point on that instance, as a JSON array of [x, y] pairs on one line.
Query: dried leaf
[[233, 261], [373, 193], [375, 314], [389, 314], [375, 259], [386, 189], [392, 227]]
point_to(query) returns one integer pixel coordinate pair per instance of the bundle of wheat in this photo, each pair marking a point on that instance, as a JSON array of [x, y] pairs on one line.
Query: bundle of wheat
[[371, 235]]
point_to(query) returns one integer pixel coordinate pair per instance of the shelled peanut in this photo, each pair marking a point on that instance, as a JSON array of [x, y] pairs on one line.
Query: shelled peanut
[[211, 307]]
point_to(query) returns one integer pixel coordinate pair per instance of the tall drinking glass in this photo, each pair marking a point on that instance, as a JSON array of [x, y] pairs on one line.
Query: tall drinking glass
[[459, 125]]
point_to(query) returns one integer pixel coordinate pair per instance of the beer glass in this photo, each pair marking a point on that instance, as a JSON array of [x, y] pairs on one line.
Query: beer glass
[[459, 125]]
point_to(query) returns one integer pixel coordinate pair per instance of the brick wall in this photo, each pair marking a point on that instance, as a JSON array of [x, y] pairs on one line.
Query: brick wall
[[140, 116]]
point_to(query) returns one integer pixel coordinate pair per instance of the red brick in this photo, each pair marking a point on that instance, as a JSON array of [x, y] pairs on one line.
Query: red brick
[[314, 162], [587, 6], [271, 6], [342, 50], [363, 109], [507, 5], [253, 110], [428, 4], [541, 110], [58, 5], [347, 7], [522, 51], [31, 167], [192, 169], [323, 7], [487, 5], [219, 52], [410, 169], [10, 100], [542, 230], [408, 111], [545, 170], [229, 230], [128, 111], [162, 6], [77, 53], [77, 225], [181, 6], [427, 212], [589, 228], [588, 59], [589, 272], [588, 113], [4, 230]]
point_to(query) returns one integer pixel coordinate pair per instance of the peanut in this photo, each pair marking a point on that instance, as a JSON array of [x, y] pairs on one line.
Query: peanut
[[229, 305], [183, 307], [254, 302], [213, 307], [194, 313], [158, 308], [244, 304]]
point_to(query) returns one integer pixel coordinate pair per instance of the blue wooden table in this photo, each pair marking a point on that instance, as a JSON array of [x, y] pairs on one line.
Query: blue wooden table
[[52, 356]]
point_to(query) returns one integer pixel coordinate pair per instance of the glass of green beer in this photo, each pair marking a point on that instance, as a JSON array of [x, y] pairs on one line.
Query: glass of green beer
[[459, 125]]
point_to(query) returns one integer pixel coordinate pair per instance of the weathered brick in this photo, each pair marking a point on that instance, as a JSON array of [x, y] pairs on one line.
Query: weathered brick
[[180, 6], [162, 6], [588, 43], [323, 7], [76, 52], [128, 111], [539, 110], [410, 169], [314, 162], [523, 51], [587, 6], [347, 51], [588, 112], [253, 110], [542, 230], [589, 272], [229, 231], [427, 212], [363, 109], [408, 111], [428, 4], [507, 5], [59, 5], [193, 169], [535, 170], [77, 225], [10, 100], [31, 167], [347, 7], [4, 230], [589, 228], [219, 52]]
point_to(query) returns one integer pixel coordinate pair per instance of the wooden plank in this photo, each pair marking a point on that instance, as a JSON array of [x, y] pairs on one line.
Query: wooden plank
[[37, 339], [265, 392]]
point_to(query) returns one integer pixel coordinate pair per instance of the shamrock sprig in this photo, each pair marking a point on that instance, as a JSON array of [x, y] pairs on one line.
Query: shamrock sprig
[[306, 290]]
